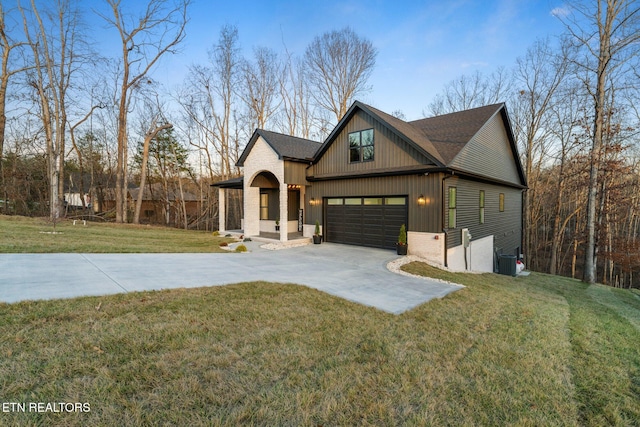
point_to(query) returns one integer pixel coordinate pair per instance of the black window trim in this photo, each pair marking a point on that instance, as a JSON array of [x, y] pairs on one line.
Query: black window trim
[[361, 147]]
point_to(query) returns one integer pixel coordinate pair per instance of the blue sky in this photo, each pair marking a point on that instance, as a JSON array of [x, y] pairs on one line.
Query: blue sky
[[421, 44]]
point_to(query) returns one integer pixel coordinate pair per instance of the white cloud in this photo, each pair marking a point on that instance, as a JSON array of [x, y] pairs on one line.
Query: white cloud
[[560, 12]]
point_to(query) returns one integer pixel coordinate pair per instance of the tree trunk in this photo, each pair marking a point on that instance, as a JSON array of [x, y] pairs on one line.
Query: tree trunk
[[143, 173]]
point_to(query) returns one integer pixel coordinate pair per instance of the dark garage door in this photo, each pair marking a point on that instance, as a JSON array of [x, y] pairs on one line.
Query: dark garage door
[[365, 221]]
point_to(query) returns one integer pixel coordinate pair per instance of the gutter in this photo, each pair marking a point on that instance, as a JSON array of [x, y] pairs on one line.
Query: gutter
[[445, 230]]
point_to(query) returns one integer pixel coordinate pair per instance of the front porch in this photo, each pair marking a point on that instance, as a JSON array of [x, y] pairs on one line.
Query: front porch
[[273, 210], [273, 187]]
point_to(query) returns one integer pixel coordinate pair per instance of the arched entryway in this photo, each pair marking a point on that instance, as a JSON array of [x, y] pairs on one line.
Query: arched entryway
[[271, 207]]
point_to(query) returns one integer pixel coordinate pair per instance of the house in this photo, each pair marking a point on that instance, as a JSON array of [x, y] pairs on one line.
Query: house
[[455, 180], [159, 206]]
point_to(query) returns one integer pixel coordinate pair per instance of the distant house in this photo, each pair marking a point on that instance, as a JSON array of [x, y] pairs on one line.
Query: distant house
[[444, 177], [158, 206]]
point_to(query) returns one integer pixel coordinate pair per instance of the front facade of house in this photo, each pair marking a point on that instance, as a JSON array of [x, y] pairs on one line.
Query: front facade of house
[[444, 177]]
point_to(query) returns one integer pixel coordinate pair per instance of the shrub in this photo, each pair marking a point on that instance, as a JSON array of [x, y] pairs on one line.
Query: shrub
[[241, 248], [215, 233], [402, 237], [317, 230], [223, 244]]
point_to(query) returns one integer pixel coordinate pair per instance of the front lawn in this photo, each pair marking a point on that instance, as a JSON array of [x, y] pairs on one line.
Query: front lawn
[[539, 350], [35, 235]]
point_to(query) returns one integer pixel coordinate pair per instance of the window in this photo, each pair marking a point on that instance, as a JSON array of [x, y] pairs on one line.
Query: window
[[481, 203], [395, 201], [373, 201], [264, 206], [501, 202], [452, 207], [361, 146]]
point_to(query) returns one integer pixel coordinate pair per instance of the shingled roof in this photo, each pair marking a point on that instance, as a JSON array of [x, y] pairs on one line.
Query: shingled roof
[[449, 133], [439, 138], [287, 147]]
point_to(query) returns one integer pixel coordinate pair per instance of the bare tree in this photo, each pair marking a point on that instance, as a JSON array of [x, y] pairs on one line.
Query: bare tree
[[155, 128], [7, 46], [471, 91], [297, 111], [78, 151], [53, 45], [208, 100], [260, 86], [225, 60], [565, 121], [538, 74], [144, 41], [338, 66], [607, 33]]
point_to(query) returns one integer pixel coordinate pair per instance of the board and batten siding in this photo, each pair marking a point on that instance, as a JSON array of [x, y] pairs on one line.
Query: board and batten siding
[[506, 227], [427, 218], [489, 153], [295, 173], [389, 150]]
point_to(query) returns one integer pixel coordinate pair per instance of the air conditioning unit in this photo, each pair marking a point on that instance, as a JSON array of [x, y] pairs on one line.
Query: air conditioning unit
[[507, 265]]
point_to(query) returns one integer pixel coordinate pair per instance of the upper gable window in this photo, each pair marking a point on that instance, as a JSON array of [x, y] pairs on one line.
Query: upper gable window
[[361, 146]]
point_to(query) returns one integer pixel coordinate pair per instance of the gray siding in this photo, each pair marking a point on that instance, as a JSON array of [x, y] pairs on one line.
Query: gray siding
[[506, 227], [489, 153], [427, 218], [389, 151]]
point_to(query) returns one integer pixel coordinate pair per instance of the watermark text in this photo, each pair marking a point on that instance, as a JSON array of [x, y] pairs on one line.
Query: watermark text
[[42, 407]]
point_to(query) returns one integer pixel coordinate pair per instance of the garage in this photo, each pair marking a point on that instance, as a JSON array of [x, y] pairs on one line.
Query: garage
[[365, 221]]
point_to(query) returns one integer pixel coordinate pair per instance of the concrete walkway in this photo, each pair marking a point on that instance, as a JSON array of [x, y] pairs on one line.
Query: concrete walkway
[[355, 273]]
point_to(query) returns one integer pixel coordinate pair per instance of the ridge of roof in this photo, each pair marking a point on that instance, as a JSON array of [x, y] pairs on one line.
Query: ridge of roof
[[285, 146], [290, 146]]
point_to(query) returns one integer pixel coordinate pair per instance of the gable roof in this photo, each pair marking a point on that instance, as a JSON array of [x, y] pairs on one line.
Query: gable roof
[[439, 138], [286, 147], [412, 135]]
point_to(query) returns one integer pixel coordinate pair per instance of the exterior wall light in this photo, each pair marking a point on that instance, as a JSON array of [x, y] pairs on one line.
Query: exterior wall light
[[421, 200]]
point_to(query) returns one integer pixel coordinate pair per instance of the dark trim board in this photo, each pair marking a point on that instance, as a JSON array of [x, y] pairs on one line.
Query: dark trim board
[[366, 224]]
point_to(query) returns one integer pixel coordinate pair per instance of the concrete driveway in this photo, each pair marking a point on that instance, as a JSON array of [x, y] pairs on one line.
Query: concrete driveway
[[355, 273]]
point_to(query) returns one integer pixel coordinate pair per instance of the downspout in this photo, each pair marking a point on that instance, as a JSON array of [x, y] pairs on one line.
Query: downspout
[[444, 229]]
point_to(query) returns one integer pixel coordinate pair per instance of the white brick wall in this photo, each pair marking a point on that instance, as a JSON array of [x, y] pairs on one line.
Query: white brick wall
[[222, 210], [429, 246], [262, 158]]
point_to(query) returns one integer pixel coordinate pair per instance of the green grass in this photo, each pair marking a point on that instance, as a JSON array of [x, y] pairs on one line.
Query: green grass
[[539, 350], [29, 235]]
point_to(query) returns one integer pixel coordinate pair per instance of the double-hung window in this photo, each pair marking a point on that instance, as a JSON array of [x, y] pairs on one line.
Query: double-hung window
[[452, 206], [361, 146]]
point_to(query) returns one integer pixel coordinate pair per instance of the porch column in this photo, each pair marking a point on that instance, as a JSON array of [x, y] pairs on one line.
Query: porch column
[[222, 210], [284, 212], [251, 210]]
